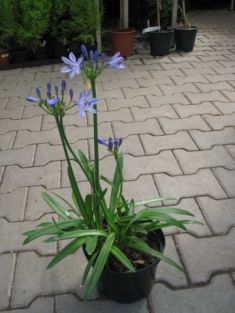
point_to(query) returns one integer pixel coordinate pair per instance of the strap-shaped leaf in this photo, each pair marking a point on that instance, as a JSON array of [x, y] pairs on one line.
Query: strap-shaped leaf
[[154, 200], [82, 233], [91, 243], [56, 206], [88, 267], [122, 258], [99, 265], [139, 244], [117, 181], [69, 249], [66, 202]]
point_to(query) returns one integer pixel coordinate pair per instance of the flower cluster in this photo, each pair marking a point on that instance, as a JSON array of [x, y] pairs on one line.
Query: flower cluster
[[112, 144]]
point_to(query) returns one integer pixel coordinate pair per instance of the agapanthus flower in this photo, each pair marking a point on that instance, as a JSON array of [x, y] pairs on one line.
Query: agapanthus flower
[[32, 99], [85, 103], [111, 144], [52, 102], [116, 61], [73, 65]]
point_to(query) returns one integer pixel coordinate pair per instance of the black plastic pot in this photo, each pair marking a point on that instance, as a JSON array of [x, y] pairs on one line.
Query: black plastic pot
[[20, 56], [59, 51], [41, 54], [130, 287], [160, 42], [185, 38]]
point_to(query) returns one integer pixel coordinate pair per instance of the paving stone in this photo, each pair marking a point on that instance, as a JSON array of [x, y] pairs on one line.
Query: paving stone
[[110, 94], [13, 204], [122, 130], [225, 70], [142, 188], [170, 90], [131, 145], [163, 162], [46, 153], [49, 122], [204, 256], [6, 140], [131, 92], [23, 157], [25, 138], [210, 64], [31, 124], [123, 115], [220, 122], [190, 79], [207, 96], [36, 207], [152, 60], [48, 175], [173, 66], [147, 67], [231, 150], [200, 71], [219, 213], [184, 58], [114, 104], [7, 263], [167, 273], [158, 101], [169, 73], [70, 304], [199, 184], [12, 238], [163, 111], [214, 86], [11, 114], [191, 162], [217, 297], [196, 109], [154, 144], [3, 103], [205, 140], [230, 95], [28, 286], [15, 102], [220, 78], [226, 107], [7, 85], [16, 92], [213, 58], [154, 81], [45, 305], [1, 173], [114, 84], [226, 179], [173, 125]]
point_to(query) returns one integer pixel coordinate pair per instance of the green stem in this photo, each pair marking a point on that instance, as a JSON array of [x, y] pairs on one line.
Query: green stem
[[96, 153], [120, 175]]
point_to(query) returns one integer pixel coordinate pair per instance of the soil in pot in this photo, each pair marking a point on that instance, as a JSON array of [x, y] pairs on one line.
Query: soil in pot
[[4, 57], [160, 42], [185, 38], [127, 287], [123, 41]]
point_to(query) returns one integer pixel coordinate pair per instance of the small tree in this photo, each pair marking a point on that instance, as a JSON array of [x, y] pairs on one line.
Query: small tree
[[184, 16]]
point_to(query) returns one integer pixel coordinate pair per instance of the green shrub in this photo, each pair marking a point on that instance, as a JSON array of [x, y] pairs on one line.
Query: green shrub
[[6, 23]]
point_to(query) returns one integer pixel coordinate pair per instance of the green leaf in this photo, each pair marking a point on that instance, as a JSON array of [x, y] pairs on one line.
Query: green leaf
[[55, 206], [105, 179], [117, 180], [69, 249], [154, 200], [66, 202], [122, 258], [91, 243], [141, 245], [82, 233], [99, 265], [88, 267]]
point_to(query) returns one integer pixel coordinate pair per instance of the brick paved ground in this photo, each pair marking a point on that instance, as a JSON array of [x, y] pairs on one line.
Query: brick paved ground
[[177, 114]]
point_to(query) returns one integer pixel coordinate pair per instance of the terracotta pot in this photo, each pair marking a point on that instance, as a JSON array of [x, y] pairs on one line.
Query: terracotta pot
[[123, 41], [4, 57]]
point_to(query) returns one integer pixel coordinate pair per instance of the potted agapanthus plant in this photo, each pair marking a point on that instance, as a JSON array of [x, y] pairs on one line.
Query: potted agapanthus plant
[[185, 33], [122, 246]]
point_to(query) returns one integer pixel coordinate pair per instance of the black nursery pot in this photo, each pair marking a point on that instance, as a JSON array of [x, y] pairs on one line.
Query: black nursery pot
[[185, 38], [131, 286], [160, 42], [20, 56], [41, 54]]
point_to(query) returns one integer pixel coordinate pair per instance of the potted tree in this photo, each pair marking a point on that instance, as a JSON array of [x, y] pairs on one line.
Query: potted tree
[[6, 30], [122, 39], [31, 25], [121, 238], [185, 33], [161, 40]]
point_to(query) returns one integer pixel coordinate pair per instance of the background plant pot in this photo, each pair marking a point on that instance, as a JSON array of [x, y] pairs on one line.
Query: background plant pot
[[130, 287], [4, 57], [19, 56], [160, 42], [59, 50], [185, 38], [123, 42], [41, 54]]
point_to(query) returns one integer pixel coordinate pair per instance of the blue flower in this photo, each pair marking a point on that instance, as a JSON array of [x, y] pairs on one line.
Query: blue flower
[[85, 103], [63, 86], [32, 99], [84, 51], [73, 65], [111, 144], [38, 92], [52, 102], [115, 61]]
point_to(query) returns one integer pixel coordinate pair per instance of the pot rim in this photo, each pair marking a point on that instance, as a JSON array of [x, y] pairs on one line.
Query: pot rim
[[125, 32], [185, 28]]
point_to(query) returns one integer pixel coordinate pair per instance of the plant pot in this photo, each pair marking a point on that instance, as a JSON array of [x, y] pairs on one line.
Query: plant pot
[[4, 56], [59, 50], [185, 38], [19, 56], [128, 287], [160, 42], [41, 54], [123, 42]]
